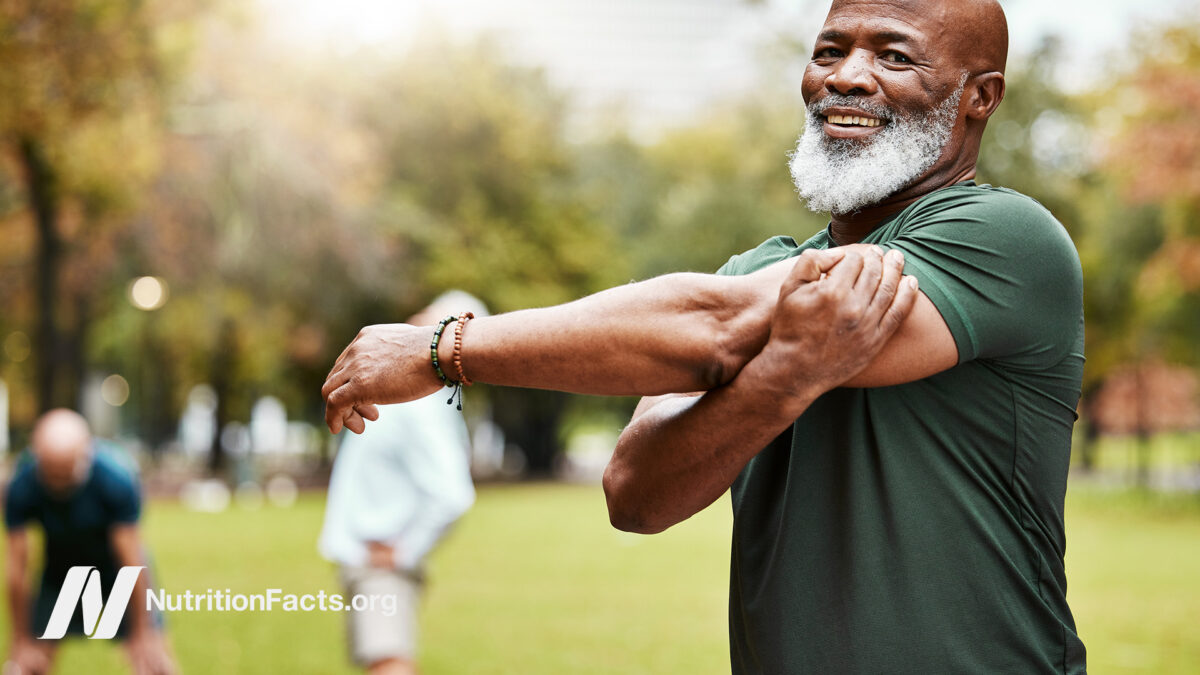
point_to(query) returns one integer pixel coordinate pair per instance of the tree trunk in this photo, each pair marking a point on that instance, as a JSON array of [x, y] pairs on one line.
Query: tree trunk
[[1091, 429], [1142, 470], [43, 200], [530, 419], [220, 377]]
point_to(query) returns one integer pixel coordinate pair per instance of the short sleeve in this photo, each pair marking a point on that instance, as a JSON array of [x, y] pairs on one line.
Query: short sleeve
[[19, 499], [128, 506], [120, 490], [1002, 272], [765, 254]]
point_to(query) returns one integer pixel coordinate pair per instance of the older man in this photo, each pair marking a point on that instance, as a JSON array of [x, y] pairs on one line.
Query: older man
[[911, 521], [394, 494], [87, 504]]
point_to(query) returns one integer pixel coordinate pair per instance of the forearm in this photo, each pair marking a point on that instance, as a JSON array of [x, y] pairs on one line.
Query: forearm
[[679, 455], [680, 332], [128, 549], [682, 453], [677, 333], [18, 599]]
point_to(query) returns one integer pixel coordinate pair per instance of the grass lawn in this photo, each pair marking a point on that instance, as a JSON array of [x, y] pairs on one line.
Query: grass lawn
[[533, 580]]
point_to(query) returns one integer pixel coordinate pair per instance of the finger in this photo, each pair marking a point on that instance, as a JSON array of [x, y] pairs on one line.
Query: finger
[[334, 381], [354, 422], [845, 273], [906, 299], [335, 407], [367, 411], [333, 420], [889, 284], [807, 268], [872, 271], [829, 258]]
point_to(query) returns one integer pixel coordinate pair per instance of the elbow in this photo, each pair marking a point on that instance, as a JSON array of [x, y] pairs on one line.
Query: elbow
[[628, 510]]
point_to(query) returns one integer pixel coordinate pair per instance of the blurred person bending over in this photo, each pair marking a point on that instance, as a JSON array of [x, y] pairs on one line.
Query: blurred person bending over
[[87, 504], [910, 518], [394, 492]]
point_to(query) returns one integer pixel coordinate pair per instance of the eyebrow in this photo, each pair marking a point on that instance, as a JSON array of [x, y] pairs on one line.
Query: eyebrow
[[886, 36]]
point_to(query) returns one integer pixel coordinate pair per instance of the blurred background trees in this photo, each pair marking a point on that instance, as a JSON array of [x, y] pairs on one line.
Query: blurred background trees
[[279, 199]]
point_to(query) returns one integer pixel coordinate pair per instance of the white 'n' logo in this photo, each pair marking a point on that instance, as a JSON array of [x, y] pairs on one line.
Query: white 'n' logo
[[82, 586]]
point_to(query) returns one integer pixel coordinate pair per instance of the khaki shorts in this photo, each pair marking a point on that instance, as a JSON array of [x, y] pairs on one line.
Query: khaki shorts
[[373, 635]]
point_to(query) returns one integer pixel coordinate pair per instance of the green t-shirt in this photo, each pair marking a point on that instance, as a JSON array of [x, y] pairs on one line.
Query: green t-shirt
[[918, 528]]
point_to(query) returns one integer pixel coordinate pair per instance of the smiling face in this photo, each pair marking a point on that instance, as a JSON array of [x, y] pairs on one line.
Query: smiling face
[[890, 112]]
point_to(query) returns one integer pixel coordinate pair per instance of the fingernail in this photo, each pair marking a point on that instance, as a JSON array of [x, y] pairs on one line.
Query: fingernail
[[878, 250], [912, 282], [897, 254]]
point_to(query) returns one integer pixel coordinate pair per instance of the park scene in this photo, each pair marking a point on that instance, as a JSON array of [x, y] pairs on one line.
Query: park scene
[[202, 202]]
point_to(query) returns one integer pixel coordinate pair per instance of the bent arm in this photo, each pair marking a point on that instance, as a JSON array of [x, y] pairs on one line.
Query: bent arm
[[680, 453]]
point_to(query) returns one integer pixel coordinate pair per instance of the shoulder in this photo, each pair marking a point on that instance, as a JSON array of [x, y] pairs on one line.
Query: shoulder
[[24, 482], [21, 495], [987, 211], [982, 223], [112, 475], [770, 252]]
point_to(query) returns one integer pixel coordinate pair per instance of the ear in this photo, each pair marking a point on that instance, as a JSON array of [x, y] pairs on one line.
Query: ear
[[984, 95]]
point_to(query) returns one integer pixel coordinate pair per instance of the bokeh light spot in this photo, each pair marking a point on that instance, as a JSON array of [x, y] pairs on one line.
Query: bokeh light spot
[[148, 293], [17, 346], [114, 390]]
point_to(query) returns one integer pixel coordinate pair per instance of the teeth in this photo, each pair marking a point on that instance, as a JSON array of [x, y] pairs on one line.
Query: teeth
[[854, 120]]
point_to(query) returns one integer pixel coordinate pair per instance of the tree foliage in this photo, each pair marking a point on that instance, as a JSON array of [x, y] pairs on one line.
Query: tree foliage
[[288, 201]]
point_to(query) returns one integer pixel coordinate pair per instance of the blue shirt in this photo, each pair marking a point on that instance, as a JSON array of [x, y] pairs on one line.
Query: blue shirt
[[78, 526], [402, 482]]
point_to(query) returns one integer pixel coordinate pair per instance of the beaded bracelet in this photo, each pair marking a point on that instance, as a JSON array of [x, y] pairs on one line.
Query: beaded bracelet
[[433, 350], [457, 358]]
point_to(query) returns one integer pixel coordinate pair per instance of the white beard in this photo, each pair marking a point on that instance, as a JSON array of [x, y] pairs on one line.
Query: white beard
[[844, 175]]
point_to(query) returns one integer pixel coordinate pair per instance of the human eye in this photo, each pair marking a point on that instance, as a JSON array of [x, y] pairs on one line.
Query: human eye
[[895, 57], [827, 53]]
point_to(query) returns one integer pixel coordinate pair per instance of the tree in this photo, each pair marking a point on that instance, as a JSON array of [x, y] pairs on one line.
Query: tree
[[482, 191], [82, 91]]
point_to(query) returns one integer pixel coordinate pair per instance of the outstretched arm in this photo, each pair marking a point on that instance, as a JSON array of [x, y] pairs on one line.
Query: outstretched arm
[[675, 333]]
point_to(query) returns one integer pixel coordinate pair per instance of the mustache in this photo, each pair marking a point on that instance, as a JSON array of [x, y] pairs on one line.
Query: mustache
[[817, 108]]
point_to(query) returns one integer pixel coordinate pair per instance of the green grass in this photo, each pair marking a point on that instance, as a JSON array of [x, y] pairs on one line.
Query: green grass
[[1173, 451], [534, 580]]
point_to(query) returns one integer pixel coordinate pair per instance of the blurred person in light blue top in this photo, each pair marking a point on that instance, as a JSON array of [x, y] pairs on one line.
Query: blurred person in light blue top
[[395, 491]]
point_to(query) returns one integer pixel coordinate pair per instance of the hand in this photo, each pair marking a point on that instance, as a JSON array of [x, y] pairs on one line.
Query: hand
[[148, 654], [380, 555], [385, 363], [27, 658], [828, 327]]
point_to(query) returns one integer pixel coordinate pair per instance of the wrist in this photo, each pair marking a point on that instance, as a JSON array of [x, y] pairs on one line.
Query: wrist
[[773, 378]]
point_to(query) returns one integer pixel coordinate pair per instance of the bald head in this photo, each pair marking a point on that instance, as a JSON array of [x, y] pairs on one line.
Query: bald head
[[975, 32], [62, 448]]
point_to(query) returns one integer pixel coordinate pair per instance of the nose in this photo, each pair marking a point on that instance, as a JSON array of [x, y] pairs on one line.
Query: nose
[[853, 75]]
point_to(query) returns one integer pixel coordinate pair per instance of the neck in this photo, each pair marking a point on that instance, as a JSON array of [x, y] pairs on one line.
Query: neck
[[851, 228]]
